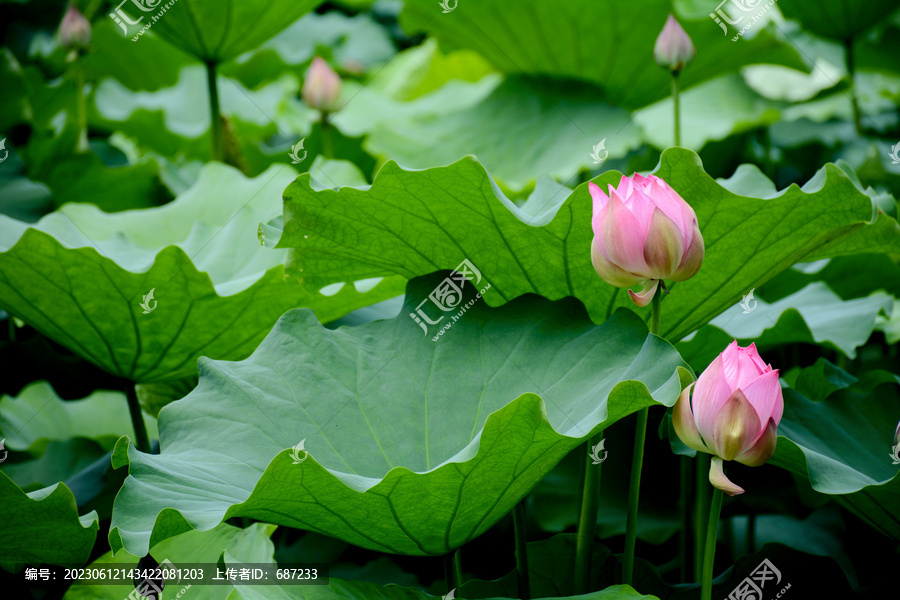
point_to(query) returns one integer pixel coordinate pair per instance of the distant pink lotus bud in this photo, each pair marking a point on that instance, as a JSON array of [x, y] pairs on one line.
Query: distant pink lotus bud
[[733, 414], [322, 86], [643, 232], [673, 49], [74, 29]]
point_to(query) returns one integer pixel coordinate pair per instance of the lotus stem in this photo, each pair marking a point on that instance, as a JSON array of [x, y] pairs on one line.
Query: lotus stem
[[453, 570], [80, 104], [327, 136], [637, 462], [851, 71], [141, 440], [709, 554], [684, 469], [587, 520], [217, 151], [676, 100], [701, 509], [521, 550]]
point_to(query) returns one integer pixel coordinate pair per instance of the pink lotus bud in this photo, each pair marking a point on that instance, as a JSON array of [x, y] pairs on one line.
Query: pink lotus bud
[[673, 49], [74, 29], [643, 232], [322, 86], [733, 414]]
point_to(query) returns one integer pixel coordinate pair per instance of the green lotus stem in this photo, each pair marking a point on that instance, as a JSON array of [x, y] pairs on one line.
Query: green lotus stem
[[587, 519], [709, 553], [676, 91], [327, 136], [217, 151], [637, 462], [684, 469], [701, 509], [851, 71], [453, 571], [521, 550], [12, 328], [80, 105], [141, 440]]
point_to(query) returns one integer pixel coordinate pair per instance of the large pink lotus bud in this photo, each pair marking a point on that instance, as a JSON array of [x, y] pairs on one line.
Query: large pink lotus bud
[[733, 414], [322, 86], [673, 49], [74, 29], [643, 232]]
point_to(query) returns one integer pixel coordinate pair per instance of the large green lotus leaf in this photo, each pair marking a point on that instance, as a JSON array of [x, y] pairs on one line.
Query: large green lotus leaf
[[43, 527], [38, 416], [250, 545], [843, 444], [526, 128], [414, 222], [213, 31], [604, 41], [149, 65], [814, 315], [360, 590], [79, 276], [838, 19], [415, 446]]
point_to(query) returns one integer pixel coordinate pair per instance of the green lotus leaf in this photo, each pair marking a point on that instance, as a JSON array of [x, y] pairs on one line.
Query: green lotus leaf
[[814, 315], [360, 590], [838, 19], [250, 545], [43, 527], [410, 445], [84, 278], [212, 31], [415, 222], [844, 444], [600, 41], [526, 128], [38, 416]]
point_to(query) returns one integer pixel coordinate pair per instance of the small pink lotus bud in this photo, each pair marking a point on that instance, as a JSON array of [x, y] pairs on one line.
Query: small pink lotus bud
[[673, 49], [74, 29], [733, 413], [644, 232], [322, 86]]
